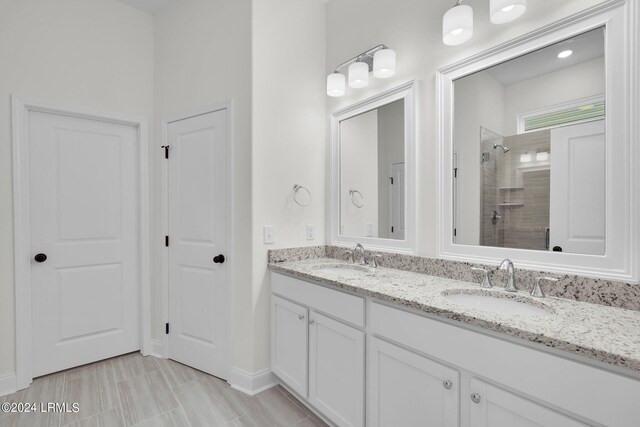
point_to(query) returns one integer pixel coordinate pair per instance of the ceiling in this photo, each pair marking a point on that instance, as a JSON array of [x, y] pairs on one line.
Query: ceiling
[[586, 46], [151, 6]]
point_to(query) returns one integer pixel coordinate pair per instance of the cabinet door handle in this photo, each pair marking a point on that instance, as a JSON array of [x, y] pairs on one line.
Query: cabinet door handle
[[311, 321], [475, 397], [447, 384], [301, 317]]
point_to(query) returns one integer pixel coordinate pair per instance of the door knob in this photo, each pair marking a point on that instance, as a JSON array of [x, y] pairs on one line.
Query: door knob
[[40, 258], [219, 259]]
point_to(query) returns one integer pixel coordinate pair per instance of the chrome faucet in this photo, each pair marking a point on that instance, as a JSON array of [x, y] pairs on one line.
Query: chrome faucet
[[375, 263], [359, 247], [486, 279], [511, 278], [537, 290]]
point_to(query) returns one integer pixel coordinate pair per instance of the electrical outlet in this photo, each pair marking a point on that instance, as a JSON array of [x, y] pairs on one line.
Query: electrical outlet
[[310, 232], [369, 230], [268, 235]]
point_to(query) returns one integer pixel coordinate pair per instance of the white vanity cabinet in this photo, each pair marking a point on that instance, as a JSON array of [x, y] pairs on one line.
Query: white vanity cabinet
[[407, 389], [509, 384], [318, 347], [495, 407], [423, 370], [289, 343], [336, 370]]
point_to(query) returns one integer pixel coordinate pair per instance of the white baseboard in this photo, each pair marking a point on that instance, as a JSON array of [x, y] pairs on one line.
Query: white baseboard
[[252, 383], [157, 349], [7, 384]]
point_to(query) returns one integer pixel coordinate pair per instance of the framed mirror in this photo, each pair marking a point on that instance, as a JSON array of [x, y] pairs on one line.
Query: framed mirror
[[373, 172], [535, 154]]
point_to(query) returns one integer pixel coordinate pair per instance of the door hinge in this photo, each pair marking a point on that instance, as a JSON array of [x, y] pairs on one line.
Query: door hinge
[[166, 241], [391, 178], [166, 151], [166, 328]]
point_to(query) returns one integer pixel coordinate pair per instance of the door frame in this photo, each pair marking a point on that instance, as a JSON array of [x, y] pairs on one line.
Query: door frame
[[22, 228], [161, 347]]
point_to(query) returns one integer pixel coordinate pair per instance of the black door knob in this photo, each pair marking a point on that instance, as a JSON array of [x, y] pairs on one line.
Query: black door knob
[[219, 259], [40, 258]]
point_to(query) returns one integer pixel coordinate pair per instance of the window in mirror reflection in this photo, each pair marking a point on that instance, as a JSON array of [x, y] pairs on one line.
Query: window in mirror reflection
[[372, 173], [529, 150]]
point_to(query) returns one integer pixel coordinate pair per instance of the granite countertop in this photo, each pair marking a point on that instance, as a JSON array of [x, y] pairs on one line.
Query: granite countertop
[[606, 334]]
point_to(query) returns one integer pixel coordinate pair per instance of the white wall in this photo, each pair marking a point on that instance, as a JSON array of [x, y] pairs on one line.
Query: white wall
[[359, 171], [289, 141], [414, 31], [96, 54], [582, 80], [203, 57]]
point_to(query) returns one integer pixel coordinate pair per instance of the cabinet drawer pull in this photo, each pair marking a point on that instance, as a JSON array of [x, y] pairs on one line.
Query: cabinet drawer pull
[[447, 384], [301, 317], [475, 397]]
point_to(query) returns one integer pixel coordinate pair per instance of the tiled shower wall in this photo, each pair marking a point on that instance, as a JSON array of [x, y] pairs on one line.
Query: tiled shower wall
[[518, 191]]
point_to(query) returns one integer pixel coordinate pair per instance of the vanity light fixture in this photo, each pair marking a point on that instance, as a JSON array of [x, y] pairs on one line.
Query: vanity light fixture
[[358, 75], [503, 11], [380, 60], [565, 54], [457, 22], [384, 63]]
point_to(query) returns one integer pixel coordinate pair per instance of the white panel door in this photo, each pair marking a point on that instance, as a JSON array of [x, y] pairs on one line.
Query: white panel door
[[84, 219], [408, 390], [577, 213], [336, 370], [397, 201], [198, 242], [289, 344], [494, 407]]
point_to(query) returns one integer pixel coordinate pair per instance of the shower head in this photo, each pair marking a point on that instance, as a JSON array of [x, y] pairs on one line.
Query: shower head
[[504, 149]]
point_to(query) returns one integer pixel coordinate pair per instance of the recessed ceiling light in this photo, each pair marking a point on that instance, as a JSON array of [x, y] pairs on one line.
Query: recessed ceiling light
[[565, 54]]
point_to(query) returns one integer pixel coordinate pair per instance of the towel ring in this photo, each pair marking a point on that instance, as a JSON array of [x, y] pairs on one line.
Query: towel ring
[[297, 188], [353, 200]]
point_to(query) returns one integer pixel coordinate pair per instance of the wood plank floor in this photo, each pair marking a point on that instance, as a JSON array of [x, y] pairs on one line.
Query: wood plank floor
[[132, 390]]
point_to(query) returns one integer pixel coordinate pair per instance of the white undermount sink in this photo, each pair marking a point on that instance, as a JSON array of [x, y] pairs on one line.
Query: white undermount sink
[[497, 303]]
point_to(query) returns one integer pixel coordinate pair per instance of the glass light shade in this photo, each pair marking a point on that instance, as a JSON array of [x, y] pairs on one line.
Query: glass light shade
[[358, 75], [457, 25], [503, 11], [335, 85], [384, 63]]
